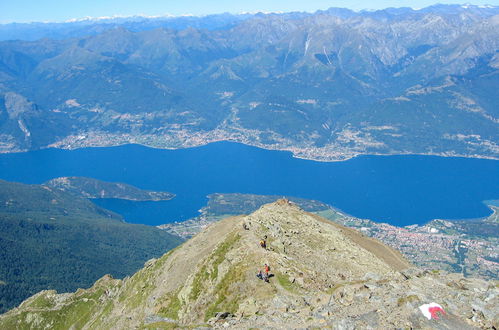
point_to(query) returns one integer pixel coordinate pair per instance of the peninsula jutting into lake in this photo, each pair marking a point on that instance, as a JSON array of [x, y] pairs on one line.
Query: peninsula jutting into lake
[[400, 190]]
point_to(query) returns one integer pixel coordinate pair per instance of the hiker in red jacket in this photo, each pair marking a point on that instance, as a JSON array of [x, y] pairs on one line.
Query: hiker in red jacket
[[266, 268]]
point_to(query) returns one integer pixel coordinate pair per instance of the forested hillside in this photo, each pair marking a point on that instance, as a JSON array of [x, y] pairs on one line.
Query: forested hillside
[[53, 240]]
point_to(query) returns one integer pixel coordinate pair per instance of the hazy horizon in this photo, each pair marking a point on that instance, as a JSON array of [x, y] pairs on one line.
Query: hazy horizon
[[53, 11]]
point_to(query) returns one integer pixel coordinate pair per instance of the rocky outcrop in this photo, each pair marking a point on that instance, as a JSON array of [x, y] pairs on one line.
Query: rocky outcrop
[[321, 274], [16, 105]]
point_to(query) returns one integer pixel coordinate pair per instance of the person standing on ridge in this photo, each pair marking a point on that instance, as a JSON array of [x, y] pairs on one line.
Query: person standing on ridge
[[263, 242], [266, 268]]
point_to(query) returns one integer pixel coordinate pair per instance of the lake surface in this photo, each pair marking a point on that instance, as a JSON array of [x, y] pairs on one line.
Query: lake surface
[[400, 190]]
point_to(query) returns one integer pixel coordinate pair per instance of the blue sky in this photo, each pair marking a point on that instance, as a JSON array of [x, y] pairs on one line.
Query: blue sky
[[61, 10]]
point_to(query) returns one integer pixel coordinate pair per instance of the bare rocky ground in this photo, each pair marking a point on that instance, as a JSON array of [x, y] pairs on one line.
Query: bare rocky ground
[[467, 246], [323, 275]]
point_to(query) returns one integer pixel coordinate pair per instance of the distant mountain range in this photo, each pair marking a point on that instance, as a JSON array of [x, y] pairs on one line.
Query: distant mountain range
[[328, 85]]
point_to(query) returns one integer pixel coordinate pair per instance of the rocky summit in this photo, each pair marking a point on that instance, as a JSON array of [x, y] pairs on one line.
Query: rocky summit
[[321, 275]]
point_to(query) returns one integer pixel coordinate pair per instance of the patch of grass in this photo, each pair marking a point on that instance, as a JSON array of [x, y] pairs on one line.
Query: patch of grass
[[140, 285], [329, 214], [317, 243], [286, 283], [74, 315], [216, 258], [227, 300], [220, 252], [15, 322], [78, 313], [334, 288], [409, 299], [97, 324], [136, 295], [197, 283], [160, 262], [173, 307], [41, 302]]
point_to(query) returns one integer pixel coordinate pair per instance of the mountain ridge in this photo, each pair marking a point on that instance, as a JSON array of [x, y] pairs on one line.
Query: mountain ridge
[[467, 246], [325, 87], [321, 277]]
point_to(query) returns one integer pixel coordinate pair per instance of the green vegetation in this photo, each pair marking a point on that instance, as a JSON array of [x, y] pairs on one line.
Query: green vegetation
[[487, 227], [335, 287], [216, 258], [102, 315], [173, 307], [198, 282], [235, 204], [140, 285], [75, 314], [93, 188], [220, 253], [53, 240], [227, 299], [409, 299], [329, 214], [162, 260], [285, 283], [138, 288], [41, 302]]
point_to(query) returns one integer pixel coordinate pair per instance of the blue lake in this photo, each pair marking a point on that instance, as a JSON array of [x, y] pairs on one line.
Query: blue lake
[[400, 190]]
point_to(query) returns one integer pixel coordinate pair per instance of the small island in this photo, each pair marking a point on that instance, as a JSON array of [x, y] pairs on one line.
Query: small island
[[93, 188]]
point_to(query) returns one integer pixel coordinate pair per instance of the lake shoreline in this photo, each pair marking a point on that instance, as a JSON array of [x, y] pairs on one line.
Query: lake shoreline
[[400, 190], [297, 152]]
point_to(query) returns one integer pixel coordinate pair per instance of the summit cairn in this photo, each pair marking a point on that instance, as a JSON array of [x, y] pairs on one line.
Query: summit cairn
[[320, 274]]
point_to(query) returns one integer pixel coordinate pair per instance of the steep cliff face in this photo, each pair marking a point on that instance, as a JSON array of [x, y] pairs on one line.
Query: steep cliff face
[[320, 274]]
